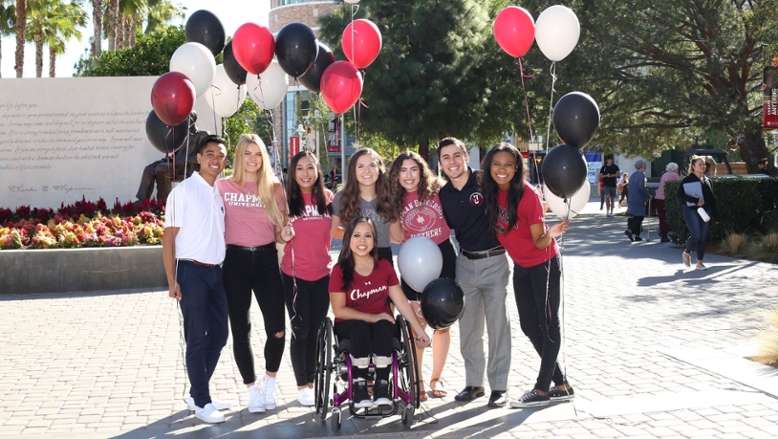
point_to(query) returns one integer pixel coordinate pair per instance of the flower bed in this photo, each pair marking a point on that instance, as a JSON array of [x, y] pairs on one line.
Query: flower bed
[[82, 224]]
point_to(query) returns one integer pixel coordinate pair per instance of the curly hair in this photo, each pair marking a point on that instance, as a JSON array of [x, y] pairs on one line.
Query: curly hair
[[515, 190], [429, 184], [349, 201]]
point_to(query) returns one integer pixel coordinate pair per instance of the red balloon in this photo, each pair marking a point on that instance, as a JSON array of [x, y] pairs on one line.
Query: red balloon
[[341, 86], [514, 30], [253, 47], [173, 98], [361, 42]]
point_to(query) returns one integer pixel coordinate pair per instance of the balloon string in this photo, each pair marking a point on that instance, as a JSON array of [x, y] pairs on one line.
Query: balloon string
[[213, 99], [552, 70], [526, 102], [354, 9]]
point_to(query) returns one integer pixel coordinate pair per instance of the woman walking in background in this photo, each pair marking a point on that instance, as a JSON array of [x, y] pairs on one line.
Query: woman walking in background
[[415, 191], [255, 220], [670, 174], [636, 203], [306, 266], [366, 194], [515, 211], [695, 191]]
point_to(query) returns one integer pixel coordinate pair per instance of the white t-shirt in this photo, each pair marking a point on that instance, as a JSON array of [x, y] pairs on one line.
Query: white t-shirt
[[197, 209]]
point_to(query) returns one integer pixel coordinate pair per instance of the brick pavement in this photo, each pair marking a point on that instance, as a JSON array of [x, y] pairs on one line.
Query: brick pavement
[[639, 332]]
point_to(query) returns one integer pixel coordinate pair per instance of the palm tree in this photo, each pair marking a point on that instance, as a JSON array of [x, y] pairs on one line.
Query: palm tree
[[97, 21], [47, 19], [63, 25], [21, 23], [7, 21]]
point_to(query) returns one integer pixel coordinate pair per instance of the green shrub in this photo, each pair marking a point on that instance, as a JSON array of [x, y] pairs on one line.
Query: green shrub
[[741, 202]]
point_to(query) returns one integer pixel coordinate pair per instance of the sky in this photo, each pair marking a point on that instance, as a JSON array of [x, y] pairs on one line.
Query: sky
[[232, 14]]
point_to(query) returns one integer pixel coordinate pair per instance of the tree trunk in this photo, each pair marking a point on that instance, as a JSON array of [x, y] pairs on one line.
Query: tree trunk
[[131, 36], [113, 23], [97, 21], [21, 23], [38, 54], [752, 148], [424, 150], [52, 61]]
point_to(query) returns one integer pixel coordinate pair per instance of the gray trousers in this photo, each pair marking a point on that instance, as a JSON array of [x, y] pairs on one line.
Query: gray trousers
[[485, 283]]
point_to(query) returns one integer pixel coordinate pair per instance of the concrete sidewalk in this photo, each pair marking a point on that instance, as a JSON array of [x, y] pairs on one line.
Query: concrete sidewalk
[[652, 350]]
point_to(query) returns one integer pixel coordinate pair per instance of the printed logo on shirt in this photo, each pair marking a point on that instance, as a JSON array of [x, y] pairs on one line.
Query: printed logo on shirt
[[476, 199], [502, 218], [363, 297]]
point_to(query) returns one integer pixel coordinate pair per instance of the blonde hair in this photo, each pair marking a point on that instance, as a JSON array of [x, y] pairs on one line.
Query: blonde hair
[[267, 183]]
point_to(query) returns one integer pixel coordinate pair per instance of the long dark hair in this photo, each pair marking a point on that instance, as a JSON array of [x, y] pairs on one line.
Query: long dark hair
[[295, 194], [349, 202], [346, 257], [515, 190], [428, 181]]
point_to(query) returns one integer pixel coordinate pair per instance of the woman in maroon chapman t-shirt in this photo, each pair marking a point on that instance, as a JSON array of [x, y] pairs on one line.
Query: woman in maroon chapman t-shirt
[[360, 287], [415, 191], [516, 212], [306, 266]]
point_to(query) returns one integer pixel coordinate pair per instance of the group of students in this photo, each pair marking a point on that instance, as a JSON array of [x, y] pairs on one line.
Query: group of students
[[220, 246]]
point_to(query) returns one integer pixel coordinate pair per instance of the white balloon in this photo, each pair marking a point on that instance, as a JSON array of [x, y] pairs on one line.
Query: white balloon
[[420, 262], [556, 32], [573, 206], [270, 88], [224, 97], [196, 62]]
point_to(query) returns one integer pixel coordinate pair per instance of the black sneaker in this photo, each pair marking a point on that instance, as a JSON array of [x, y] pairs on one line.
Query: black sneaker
[[629, 235], [359, 395], [381, 393], [557, 394], [533, 398], [638, 238]]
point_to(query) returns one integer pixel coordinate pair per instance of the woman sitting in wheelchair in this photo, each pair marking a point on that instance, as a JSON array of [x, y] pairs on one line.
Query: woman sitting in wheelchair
[[360, 288]]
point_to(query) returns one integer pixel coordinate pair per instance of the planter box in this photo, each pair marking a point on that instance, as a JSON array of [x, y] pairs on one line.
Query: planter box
[[81, 270]]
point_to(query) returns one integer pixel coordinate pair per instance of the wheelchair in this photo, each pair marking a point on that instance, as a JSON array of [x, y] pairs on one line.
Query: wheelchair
[[333, 367]]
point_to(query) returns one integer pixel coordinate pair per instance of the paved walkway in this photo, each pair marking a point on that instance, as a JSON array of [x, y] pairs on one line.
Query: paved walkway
[[652, 350]]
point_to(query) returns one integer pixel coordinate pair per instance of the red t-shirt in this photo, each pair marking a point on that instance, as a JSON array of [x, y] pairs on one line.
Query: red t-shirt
[[311, 243], [423, 219], [368, 294], [246, 222], [518, 241]]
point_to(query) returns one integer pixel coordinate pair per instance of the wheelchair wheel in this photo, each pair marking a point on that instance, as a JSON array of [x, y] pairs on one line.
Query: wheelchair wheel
[[407, 415], [321, 381], [407, 367], [335, 419]]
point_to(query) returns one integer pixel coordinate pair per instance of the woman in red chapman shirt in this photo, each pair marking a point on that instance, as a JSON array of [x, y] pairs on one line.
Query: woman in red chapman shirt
[[306, 266], [255, 220], [415, 189], [360, 288], [515, 211]]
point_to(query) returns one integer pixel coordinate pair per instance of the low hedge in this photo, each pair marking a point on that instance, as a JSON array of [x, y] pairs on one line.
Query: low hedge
[[741, 203]]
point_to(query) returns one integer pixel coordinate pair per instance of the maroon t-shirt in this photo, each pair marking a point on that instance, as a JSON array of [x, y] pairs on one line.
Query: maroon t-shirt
[[368, 294], [311, 243], [518, 241], [423, 219]]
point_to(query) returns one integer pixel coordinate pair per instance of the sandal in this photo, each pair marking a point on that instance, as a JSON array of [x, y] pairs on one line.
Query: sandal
[[438, 391]]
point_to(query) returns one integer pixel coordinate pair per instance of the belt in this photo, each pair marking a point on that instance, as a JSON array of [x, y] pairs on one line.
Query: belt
[[196, 262], [483, 254], [261, 248]]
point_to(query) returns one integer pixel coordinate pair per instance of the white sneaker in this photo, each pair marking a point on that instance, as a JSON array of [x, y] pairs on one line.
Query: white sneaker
[[700, 266], [269, 393], [256, 403], [219, 405], [209, 414], [305, 397]]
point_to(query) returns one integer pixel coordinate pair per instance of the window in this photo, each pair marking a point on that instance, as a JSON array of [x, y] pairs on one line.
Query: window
[[291, 2]]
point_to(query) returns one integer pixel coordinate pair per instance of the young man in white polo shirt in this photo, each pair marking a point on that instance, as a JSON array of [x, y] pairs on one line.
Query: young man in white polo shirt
[[193, 249]]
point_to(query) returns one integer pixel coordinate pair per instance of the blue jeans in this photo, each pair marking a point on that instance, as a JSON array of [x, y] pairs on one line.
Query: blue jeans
[[698, 229], [204, 307]]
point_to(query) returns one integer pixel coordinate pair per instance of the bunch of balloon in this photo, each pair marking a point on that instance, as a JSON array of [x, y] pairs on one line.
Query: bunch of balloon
[[251, 50]]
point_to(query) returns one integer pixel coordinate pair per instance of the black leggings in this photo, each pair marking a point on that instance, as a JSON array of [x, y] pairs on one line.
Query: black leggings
[[539, 316], [257, 270], [448, 271], [311, 303], [365, 339]]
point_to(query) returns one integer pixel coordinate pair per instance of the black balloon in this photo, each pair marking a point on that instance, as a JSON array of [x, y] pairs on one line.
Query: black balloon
[[312, 79], [564, 170], [163, 137], [576, 119], [205, 28], [296, 49], [442, 303], [235, 72]]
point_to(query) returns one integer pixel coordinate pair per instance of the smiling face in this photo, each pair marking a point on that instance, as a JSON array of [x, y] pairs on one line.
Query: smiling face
[[362, 240], [252, 159], [367, 170], [453, 161], [410, 175], [503, 168], [305, 174], [212, 159]]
